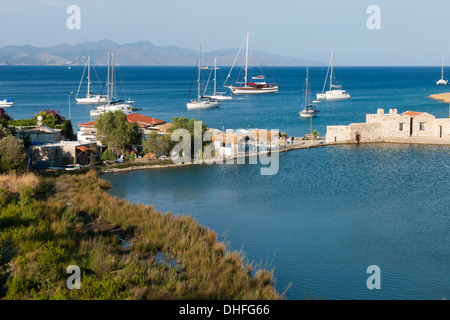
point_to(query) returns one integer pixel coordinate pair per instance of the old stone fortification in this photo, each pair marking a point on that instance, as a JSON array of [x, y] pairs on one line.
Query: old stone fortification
[[408, 127]]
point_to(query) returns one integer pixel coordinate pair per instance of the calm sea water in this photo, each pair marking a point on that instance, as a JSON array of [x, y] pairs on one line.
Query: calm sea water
[[329, 213]]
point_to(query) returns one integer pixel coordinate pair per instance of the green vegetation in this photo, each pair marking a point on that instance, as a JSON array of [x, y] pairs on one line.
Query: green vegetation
[[158, 144], [12, 154], [162, 144], [115, 132], [50, 118], [108, 155], [54, 221]]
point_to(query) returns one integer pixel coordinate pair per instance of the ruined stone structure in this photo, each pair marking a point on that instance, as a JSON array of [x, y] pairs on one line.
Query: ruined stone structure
[[408, 127], [63, 153]]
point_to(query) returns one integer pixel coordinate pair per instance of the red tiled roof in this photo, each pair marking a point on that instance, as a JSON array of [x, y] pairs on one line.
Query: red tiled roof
[[91, 123], [143, 121], [412, 113]]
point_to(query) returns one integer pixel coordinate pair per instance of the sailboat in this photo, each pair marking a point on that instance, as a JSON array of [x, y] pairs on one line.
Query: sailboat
[[216, 95], [335, 92], [90, 98], [251, 87], [201, 102], [112, 105], [6, 103], [308, 110], [442, 81]]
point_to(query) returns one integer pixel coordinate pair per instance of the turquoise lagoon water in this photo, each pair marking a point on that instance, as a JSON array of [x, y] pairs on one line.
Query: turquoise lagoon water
[[329, 212]]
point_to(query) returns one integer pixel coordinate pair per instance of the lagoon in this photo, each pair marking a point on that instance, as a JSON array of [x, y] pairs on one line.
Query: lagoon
[[327, 215]]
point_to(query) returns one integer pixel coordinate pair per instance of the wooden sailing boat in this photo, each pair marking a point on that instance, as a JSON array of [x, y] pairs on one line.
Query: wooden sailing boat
[[247, 87]]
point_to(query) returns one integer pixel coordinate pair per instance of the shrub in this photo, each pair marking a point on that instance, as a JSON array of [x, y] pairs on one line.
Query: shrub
[[108, 155], [12, 154]]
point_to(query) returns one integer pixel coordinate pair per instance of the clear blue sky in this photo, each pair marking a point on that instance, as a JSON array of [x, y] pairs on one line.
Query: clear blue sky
[[412, 32]]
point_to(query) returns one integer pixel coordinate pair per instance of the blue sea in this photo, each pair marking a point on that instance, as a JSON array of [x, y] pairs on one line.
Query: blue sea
[[329, 213]]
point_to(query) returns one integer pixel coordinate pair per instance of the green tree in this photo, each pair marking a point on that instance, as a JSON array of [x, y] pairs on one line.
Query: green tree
[[4, 132], [115, 132], [12, 154], [108, 155], [188, 124], [159, 144]]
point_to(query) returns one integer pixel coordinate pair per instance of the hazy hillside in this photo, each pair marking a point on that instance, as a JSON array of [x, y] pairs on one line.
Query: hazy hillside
[[142, 53]]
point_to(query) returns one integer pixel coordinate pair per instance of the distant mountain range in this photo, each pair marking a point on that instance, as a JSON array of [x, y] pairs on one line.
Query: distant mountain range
[[142, 53]]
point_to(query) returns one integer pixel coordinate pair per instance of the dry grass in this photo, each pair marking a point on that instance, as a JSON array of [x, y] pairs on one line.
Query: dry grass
[[12, 181], [210, 269]]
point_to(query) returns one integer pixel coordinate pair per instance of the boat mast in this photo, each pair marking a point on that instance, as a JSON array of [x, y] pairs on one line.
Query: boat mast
[[199, 72], [89, 78], [332, 63], [442, 77], [306, 91], [246, 61], [108, 84], [113, 93], [215, 74]]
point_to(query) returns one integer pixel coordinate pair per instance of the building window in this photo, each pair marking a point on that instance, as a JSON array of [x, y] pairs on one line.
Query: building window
[[422, 126], [400, 126]]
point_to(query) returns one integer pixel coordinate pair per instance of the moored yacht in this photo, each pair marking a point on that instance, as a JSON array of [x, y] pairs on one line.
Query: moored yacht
[[336, 92], [90, 97], [308, 110], [247, 87], [201, 102]]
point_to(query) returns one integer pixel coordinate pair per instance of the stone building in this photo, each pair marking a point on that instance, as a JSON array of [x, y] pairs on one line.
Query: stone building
[[408, 127], [63, 153], [42, 134]]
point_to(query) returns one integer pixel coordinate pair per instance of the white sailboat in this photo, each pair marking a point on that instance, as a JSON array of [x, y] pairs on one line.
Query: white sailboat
[[201, 102], [442, 81], [335, 92], [112, 105], [6, 102], [308, 110], [90, 97], [251, 87], [216, 95]]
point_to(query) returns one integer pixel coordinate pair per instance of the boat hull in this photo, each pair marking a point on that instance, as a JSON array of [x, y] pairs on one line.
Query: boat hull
[[252, 90], [125, 108], [321, 96], [91, 100], [306, 114], [220, 97], [337, 95], [198, 105], [442, 82]]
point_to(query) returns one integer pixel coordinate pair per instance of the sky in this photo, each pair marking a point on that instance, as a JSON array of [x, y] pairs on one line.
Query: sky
[[412, 32]]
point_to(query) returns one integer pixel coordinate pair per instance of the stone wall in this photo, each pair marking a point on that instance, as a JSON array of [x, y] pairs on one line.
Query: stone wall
[[393, 127]]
